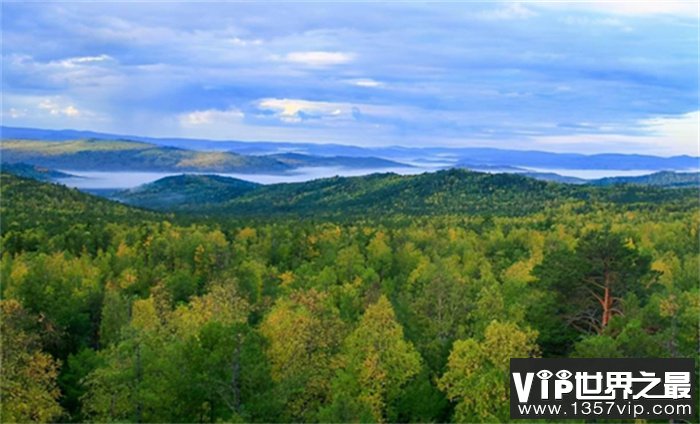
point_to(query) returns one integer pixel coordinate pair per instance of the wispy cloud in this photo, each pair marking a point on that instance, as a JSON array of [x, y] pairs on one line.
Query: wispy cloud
[[54, 107], [366, 82], [678, 134], [246, 42], [48, 111], [296, 110], [73, 71], [15, 113], [664, 135], [319, 58], [507, 12], [629, 7], [210, 116], [84, 60], [527, 74]]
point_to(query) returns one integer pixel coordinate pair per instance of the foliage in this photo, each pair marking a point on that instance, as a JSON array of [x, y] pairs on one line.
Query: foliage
[[32, 171], [29, 389], [376, 363], [169, 192], [664, 179], [482, 367], [112, 313], [453, 191]]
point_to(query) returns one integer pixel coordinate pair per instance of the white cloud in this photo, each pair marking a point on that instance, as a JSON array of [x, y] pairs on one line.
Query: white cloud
[[333, 113], [293, 110], [15, 113], [217, 124], [587, 21], [83, 71], [83, 60], [57, 108], [71, 110], [244, 43], [210, 116], [49, 111], [666, 135], [632, 8], [507, 12], [679, 133], [366, 82], [319, 58]]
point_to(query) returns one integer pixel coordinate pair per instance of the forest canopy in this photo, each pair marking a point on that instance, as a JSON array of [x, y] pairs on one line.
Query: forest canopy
[[113, 313]]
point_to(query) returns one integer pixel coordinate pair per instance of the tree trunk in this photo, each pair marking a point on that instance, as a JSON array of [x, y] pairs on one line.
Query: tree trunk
[[607, 299], [235, 376], [607, 306], [139, 377]]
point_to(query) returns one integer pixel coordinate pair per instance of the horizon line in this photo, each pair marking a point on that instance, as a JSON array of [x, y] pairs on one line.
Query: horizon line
[[389, 146]]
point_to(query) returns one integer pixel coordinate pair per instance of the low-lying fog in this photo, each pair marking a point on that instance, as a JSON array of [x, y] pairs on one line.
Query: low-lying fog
[[123, 180], [129, 179]]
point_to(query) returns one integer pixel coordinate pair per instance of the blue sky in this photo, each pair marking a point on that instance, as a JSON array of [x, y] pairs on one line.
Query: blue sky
[[583, 77]]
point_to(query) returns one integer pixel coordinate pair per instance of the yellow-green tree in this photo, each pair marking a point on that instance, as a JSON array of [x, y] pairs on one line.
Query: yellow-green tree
[[376, 364], [303, 334], [29, 391], [477, 372]]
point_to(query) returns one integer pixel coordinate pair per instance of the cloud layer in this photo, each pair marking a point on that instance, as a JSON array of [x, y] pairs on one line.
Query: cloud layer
[[586, 77]]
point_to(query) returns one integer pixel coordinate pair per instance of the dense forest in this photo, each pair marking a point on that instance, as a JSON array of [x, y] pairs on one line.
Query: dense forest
[[377, 299], [446, 192]]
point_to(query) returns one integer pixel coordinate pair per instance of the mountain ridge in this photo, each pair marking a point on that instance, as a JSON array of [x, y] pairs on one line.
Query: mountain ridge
[[122, 155], [130, 155], [442, 192], [660, 179], [456, 156]]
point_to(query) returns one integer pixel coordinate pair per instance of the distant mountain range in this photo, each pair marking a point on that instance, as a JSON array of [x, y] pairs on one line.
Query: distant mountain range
[[453, 191], [110, 155], [126, 155], [298, 160], [472, 158]]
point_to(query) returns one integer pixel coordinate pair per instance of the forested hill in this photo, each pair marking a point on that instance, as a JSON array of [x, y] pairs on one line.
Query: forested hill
[[129, 155], [660, 179], [439, 193], [51, 210], [33, 171], [115, 314], [183, 190], [121, 155]]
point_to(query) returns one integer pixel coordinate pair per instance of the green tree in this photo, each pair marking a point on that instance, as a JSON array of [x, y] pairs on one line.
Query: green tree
[[303, 333], [477, 372], [376, 364], [29, 391], [585, 288]]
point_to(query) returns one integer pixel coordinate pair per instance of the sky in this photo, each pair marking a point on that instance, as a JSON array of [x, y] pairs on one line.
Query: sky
[[585, 77]]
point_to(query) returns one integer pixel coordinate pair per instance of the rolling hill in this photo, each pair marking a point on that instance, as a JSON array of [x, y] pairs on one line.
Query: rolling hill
[[658, 179], [182, 190], [123, 155], [127, 155], [32, 171], [369, 162], [439, 193], [25, 202], [469, 157]]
